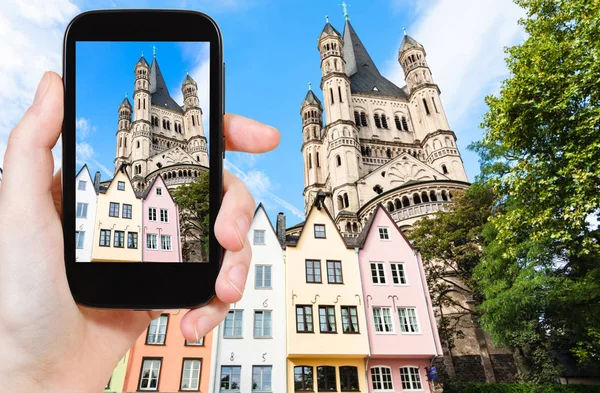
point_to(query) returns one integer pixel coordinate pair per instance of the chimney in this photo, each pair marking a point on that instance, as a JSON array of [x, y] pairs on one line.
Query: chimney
[[280, 228], [97, 181]]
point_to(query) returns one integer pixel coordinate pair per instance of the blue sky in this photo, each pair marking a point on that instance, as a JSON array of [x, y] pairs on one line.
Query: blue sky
[[271, 55]]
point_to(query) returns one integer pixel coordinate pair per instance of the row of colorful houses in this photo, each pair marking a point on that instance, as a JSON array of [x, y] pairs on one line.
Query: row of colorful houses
[[320, 312], [114, 223]]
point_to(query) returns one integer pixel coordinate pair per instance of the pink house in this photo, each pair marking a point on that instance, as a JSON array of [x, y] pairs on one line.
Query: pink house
[[160, 225], [402, 330]]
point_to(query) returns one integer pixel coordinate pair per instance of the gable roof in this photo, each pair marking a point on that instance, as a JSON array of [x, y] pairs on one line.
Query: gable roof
[[144, 194], [110, 182], [311, 99], [363, 73], [158, 90], [78, 173], [261, 207], [330, 30], [362, 238], [408, 42]]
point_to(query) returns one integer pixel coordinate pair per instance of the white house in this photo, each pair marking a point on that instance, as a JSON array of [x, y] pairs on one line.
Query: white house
[[85, 213], [249, 348]]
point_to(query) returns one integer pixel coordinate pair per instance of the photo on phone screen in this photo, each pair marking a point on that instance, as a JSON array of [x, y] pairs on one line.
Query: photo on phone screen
[[142, 163]]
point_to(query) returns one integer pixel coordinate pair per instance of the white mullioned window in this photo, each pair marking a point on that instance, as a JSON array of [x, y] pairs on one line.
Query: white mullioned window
[[262, 324], [81, 185], [378, 273], [382, 319], [262, 277], [165, 242], [190, 376], [150, 374], [408, 320], [82, 210], [79, 239], [259, 237], [411, 378], [151, 241], [233, 324], [261, 378], [152, 213], [398, 273], [381, 378], [157, 331], [384, 233], [164, 215]]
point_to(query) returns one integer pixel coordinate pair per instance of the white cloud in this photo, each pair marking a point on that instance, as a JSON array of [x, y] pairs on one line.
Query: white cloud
[[259, 185], [83, 128], [464, 40]]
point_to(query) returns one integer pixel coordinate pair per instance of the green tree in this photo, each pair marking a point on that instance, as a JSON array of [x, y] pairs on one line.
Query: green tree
[[450, 244], [194, 217], [541, 154]]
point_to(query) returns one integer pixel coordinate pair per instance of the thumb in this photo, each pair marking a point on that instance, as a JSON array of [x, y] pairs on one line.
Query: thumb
[[28, 163]]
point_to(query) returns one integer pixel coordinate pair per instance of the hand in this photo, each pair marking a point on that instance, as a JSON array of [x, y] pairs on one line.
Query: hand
[[49, 343]]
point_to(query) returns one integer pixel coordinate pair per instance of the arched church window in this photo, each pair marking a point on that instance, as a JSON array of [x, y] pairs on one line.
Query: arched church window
[[397, 204], [424, 197], [388, 152], [356, 118], [450, 195], [432, 196], [377, 120], [434, 105], [444, 169], [338, 160], [197, 158], [158, 165], [180, 173], [355, 227], [378, 189], [193, 121], [384, 122], [164, 123], [335, 64], [144, 103], [318, 161], [340, 202], [426, 107], [139, 105], [444, 195], [447, 140], [138, 144], [168, 145], [404, 124], [416, 198], [331, 94], [346, 203], [120, 141], [390, 207], [309, 161], [348, 227], [363, 119], [340, 93], [125, 142], [397, 121], [405, 201]]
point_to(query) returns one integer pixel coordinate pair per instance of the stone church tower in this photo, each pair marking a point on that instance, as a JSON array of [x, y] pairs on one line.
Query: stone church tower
[[157, 135], [384, 144]]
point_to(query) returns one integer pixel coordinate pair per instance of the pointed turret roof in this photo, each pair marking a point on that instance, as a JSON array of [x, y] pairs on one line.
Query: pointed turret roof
[[189, 79], [311, 99], [159, 91], [330, 30], [126, 103], [364, 75], [142, 61], [408, 42]]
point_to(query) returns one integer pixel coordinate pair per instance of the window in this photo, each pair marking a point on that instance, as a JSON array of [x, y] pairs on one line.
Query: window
[[377, 120], [198, 343], [262, 324], [384, 122], [326, 379], [331, 94], [158, 191], [381, 378], [303, 378], [309, 161], [356, 118], [151, 241], [193, 121], [259, 236], [261, 378], [349, 319], [382, 318], [132, 238], [327, 319], [338, 160], [411, 378], [340, 91], [304, 322], [126, 211], [152, 213], [164, 215], [150, 374], [119, 239], [349, 379], [377, 273], [81, 185], [190, 375], [104, 237], [334, 272], [233, 324], [363, 119], [313, 271], [434, 105], [397, 121], [398, 274], [318, 163], [408, 320], [230, 378], [79, 239], [262, 278], [444, 170], [113, 210], [426, 107], [319, 231], [121, 186], [82, 210], [404, 124], [157, 331], [165, 242], [383, 233]]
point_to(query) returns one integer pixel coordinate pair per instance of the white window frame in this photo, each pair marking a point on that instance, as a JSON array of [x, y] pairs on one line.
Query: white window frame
[[262, 284], [404, 318], [379, 277], [84, 209], [384, 233], [379, 370], [159, 324], [151, 213], [80, 184], [262, 376], [230, 367], [262, 322], [151, 369], [393, 266], [409, 372], [159, 191], [254, 239], [234, 321], [166, 215], [79, 238], [382, 316], [153, 236], [191, 377], [169, 243], [199, 343]]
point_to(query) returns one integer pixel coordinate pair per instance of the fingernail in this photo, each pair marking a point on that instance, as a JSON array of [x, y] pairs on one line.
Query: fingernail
[[237, 278], [196, 334], [203, 326], [42, 88], [242, 226]]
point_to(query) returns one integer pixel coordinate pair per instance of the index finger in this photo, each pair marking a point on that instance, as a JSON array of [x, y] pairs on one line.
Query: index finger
[[247, 135]]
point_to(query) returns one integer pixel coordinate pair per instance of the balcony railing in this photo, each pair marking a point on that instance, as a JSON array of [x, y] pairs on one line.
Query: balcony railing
[[419, 210]]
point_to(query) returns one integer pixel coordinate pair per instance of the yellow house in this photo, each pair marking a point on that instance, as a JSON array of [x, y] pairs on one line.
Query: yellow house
[[115, 383], [327, 340], [118, 222]]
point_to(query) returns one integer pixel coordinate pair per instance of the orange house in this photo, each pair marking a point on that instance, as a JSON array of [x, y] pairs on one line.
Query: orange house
[[162, 360]]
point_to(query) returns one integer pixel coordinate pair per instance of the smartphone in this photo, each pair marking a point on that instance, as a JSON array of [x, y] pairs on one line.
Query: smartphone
[[143, 150]]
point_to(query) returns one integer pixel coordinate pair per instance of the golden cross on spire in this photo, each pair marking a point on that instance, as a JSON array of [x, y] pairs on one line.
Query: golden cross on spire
[[154, 50], [345, 7]]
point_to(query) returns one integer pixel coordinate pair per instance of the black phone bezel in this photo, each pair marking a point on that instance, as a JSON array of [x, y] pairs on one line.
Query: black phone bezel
[[142, 286]]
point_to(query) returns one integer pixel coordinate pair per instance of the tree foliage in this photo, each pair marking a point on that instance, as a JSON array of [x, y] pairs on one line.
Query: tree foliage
[[194, 216], [540, 274]]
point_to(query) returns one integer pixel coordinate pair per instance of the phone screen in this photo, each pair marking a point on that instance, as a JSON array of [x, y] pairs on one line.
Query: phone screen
[[142, 153]]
